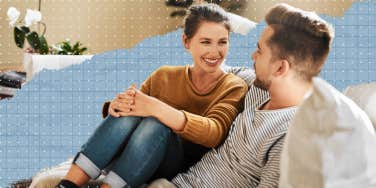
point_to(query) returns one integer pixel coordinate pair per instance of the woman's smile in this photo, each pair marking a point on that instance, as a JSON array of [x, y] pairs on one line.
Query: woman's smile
[[212, 61]]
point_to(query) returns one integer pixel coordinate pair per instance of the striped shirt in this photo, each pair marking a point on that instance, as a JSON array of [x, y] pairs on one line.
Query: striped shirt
[[251, 153]]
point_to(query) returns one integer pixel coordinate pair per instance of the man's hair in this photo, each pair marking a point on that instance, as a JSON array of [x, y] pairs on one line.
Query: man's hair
[[205, 12], [301, 37]]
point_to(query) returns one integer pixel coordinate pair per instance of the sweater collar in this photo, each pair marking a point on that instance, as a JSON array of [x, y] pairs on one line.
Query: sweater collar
[[193, 88]]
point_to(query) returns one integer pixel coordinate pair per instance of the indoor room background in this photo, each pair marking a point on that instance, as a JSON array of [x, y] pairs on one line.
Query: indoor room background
[[54, 113]]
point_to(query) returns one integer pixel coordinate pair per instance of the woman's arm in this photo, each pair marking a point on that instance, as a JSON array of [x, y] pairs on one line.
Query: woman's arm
[[171, 117], [136, 103], [212, 130], [209, 130]]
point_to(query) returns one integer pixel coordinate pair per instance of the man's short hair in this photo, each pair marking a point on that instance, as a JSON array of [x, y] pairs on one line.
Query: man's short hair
[[301, 37]]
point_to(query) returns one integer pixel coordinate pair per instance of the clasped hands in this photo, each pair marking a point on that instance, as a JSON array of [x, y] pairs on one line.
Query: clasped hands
[[132, 102]]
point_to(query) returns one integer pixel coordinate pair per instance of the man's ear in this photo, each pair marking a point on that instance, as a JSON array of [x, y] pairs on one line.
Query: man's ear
[[185, 41], [281, 67]]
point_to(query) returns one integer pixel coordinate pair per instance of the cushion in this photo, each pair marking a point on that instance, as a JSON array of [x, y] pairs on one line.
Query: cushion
[[364, 95], [245, 73], [161, 183], [330, 143]]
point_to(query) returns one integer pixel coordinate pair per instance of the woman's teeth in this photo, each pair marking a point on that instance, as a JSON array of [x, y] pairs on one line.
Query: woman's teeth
[[211, 61]]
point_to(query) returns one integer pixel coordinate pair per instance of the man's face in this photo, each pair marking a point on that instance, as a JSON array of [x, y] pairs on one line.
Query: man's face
[[262, 58]]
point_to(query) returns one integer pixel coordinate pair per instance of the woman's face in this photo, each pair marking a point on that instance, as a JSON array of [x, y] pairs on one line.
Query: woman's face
[[208, 46]]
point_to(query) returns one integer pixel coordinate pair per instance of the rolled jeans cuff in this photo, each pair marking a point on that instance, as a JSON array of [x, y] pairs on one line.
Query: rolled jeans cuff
[[87, 166], [114, 180]]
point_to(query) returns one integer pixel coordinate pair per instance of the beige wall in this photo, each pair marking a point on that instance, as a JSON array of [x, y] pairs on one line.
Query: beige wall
[[100, 25], [104, 25], [256, 9]]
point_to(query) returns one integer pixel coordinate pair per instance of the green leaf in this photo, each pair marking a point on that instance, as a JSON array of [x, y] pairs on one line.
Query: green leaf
[[19, 37], [82, 50], [67, 47], [63, 53], [44, 46], [75, 47], [25, 29], [33, 40]]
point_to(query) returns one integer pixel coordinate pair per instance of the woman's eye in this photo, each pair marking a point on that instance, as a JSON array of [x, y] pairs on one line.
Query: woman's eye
[[205, 42], [223, 42]]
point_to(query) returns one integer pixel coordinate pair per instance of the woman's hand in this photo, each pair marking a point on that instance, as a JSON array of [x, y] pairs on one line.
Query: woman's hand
[[137, 103], [121, 101], [132, 102]]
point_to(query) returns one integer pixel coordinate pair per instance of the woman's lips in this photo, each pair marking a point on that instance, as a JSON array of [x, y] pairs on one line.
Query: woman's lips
[[212, 61]]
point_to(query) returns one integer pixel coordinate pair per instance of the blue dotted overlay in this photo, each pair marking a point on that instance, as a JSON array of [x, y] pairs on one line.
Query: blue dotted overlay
[[54, 114]]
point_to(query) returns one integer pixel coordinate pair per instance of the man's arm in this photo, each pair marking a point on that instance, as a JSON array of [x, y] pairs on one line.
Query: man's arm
[[271, 171]]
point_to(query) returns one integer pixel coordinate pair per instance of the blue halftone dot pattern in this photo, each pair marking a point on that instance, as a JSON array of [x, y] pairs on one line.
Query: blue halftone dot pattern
[[54, 114], [352, 59]]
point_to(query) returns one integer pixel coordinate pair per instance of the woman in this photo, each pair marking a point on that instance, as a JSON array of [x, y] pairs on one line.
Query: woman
[[177, 115]]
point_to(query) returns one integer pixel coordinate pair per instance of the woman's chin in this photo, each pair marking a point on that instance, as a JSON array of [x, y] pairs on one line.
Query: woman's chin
[[212, 69]]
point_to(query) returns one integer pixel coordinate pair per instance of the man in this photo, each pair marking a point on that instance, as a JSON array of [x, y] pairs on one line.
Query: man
[[291, 51]]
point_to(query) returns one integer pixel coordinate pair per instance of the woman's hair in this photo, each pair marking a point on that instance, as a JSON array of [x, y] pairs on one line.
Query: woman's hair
[[206, 12], [301, 37]]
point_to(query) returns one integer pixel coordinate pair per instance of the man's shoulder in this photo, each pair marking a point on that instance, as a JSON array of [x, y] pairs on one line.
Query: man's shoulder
[[255, 97]]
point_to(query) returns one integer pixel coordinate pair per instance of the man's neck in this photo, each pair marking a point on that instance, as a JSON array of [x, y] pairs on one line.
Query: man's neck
[[286, 96]]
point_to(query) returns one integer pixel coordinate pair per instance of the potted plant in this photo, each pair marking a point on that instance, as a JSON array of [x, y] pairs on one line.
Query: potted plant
[[39, 55]]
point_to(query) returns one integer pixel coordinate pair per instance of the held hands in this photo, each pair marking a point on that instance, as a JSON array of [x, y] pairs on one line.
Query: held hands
[[132, 102]]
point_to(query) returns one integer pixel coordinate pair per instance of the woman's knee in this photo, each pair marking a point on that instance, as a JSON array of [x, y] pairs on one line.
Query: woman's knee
[[112, 131], [151, 125], [115, 123], [124, 120], [151, 131]]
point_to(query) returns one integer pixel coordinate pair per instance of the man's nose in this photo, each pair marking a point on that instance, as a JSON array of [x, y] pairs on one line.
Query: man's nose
[[253, 56]]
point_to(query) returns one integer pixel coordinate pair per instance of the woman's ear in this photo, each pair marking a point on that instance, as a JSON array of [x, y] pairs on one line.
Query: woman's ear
[[185, 41]]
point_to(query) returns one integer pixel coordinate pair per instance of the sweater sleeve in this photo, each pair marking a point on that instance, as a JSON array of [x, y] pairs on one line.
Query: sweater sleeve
[[105, 107], [145, 87], [211, 130]]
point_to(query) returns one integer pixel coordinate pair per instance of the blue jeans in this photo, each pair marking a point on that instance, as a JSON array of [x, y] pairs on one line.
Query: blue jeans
[[134, 149]]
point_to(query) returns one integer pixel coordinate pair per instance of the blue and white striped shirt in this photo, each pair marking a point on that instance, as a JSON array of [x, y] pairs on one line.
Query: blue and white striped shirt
[[250, 155]]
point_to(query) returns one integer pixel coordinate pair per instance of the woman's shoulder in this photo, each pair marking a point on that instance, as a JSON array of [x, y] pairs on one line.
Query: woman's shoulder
[[169, 70]]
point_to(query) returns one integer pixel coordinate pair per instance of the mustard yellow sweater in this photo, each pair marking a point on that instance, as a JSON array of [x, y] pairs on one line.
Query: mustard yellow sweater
[[209, 115]]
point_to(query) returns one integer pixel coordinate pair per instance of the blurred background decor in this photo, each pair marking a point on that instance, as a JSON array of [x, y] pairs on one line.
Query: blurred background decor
[[230, 6], [117, 24]]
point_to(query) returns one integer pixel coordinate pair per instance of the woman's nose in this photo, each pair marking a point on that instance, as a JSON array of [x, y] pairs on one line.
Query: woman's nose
[[216, 50]]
